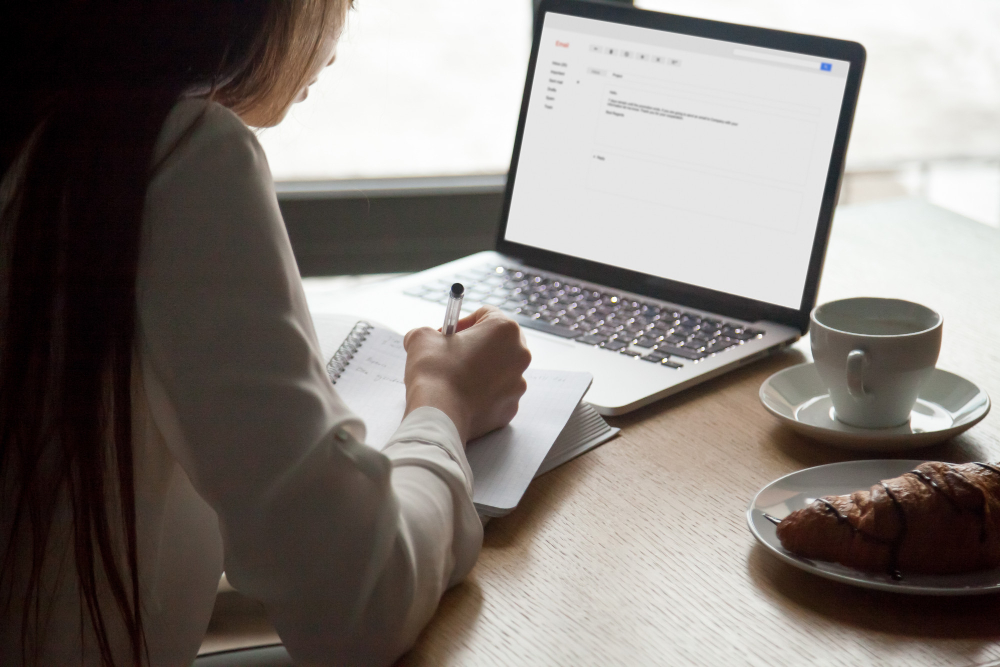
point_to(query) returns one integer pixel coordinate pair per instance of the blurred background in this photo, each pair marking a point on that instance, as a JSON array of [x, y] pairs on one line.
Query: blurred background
[[433, 88]]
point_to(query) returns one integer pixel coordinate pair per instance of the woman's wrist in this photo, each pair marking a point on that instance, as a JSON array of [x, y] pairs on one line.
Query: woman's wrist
[[440, 395]]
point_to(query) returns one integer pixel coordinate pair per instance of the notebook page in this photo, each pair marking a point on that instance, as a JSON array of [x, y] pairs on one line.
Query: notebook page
[[505, 461], [331, 330], [372, 385]]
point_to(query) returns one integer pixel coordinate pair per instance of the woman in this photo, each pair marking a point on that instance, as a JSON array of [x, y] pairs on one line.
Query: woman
[[164, 410]]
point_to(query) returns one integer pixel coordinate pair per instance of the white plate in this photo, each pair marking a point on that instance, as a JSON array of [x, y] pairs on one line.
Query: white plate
[[797, 490], [948, 404]]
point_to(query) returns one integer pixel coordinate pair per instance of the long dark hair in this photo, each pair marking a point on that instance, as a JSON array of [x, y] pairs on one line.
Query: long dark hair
[[82, 103]]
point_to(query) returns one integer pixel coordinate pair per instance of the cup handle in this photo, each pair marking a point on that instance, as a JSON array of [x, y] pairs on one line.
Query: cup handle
[[856, 362]]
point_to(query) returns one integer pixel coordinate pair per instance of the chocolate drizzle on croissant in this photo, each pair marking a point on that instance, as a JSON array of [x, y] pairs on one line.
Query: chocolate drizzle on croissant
[[937, 519]]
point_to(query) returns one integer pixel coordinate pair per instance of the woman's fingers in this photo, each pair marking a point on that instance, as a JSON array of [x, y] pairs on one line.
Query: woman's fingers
[[416, 333], [475, 318]]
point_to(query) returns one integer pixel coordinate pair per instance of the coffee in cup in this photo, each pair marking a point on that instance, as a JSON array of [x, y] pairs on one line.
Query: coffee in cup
[[874, 355]]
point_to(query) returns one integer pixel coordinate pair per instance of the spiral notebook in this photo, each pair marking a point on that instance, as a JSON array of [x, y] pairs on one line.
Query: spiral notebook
[[552, 425]]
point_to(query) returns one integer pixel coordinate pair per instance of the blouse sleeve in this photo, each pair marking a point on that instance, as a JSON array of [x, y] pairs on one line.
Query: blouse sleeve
[[348, 548]]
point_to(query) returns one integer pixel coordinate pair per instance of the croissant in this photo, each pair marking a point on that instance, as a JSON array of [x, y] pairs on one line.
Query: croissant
[[940, 518]]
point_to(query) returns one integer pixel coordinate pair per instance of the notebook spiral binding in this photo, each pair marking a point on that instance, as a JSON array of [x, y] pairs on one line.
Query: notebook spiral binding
[[342, 357]]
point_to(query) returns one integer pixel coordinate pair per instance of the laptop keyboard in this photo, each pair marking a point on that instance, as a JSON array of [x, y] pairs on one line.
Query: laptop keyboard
[[656, 333]]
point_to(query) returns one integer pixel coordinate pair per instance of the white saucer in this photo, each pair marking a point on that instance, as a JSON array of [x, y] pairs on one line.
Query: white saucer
[[947, 405], [799, 489]]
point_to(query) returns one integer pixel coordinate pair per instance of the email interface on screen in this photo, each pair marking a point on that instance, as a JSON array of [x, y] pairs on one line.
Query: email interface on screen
[[687, 158]]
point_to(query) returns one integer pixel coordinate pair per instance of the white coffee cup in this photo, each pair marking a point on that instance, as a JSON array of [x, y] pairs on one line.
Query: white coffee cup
[[874, 356]]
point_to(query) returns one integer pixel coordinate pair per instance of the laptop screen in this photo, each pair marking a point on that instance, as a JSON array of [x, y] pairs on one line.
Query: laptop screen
[[686, 158]]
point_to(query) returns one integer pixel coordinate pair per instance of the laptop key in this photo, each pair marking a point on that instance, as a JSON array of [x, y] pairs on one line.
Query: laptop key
[[541, 325], [740, 333], [615, 345], [591, 339], [683, 352], [662, 360]]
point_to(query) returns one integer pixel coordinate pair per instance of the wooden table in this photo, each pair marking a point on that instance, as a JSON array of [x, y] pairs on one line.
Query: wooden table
[[638, 552]]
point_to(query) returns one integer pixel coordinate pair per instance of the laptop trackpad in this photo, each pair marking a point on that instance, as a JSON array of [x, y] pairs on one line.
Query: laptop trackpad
[[554, 353], [540, 342]]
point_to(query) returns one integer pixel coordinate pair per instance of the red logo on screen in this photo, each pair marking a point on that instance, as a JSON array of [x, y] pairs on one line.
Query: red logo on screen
[[564, 45]]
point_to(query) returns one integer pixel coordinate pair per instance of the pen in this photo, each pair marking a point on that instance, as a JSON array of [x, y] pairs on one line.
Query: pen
[[454, 309]]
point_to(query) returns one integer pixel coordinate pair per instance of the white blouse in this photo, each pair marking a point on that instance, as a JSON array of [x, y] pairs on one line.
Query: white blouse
[[246, 458]]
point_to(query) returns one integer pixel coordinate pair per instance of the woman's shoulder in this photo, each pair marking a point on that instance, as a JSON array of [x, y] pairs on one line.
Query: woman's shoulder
[[210, 192], [196, 126]]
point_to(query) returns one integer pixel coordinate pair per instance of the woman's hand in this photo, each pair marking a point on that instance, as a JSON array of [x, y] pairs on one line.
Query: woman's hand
[[475, 376]]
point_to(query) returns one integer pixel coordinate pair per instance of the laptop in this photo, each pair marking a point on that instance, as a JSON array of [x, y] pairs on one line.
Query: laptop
[[668, 203]]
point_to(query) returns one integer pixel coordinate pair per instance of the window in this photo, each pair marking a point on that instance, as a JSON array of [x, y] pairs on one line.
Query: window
[[928, 120], [423, 88], [433, 88]]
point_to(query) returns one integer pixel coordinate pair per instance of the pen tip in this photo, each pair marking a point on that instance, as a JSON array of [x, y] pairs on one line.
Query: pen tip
[[457, 290]]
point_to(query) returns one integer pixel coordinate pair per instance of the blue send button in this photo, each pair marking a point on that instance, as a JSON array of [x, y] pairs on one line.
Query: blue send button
[[826, 67]]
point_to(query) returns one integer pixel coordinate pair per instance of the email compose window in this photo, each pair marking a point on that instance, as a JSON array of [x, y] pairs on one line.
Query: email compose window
[[696, 160]]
